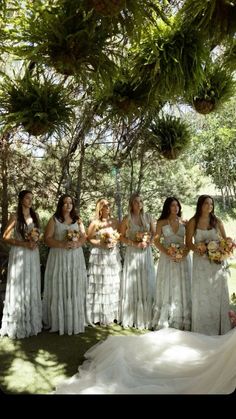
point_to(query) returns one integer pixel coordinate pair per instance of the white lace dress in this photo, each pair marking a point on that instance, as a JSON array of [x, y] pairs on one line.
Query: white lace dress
[[210, 295], [104, 281], [138, 282], [168, 361], [173, 286], [64, 286], [22, 313]]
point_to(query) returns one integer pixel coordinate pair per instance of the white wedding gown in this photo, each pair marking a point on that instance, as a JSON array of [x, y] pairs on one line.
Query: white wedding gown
[[168, 361]]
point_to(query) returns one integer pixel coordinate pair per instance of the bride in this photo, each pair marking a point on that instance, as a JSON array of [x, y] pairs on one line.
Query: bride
[[168, 361]]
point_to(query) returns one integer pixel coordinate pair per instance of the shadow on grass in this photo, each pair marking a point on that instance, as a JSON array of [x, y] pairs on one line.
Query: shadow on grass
[[37, 364]]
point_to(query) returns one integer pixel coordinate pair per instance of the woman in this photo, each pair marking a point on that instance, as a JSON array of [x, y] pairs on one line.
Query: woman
[[137, 230], [104, 275], [65, 273], [173, 294], [210, 295], [22, 314], [168, 361]]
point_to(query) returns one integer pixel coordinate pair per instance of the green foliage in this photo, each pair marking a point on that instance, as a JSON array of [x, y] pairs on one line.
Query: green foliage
[[169, 135], [215, 18], [229, 56], [66, 36], [38, 103], [213, 149], [217, 88], [129, 98], [171, 58]]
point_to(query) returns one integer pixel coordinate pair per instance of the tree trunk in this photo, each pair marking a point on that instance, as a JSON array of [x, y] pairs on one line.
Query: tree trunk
[[4, 175], [118, 195], [80, 175], [141, 167]]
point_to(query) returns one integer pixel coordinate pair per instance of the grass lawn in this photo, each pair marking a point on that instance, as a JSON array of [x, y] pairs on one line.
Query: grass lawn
[[37, 364]]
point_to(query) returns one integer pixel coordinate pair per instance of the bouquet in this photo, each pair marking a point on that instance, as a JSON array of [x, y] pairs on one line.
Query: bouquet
[[144, 237], [176, 250], [218, 251], [109, 236], [73, 235], [33, 235]]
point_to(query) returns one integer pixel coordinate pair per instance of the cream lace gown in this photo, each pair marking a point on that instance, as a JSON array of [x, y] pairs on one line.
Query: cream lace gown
[[173, 286], [22, 313], [104, 280], [138, 282], [64, 286], [168, 361], [210, 295]]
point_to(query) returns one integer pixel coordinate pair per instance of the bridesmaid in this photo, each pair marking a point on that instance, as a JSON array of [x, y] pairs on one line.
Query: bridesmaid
[[137, 289], [104, 274], [173, 295], [210, 295], [22, 314], [65, 273]]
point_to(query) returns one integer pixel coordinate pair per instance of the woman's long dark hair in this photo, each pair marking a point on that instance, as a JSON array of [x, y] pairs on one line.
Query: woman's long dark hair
[[59, 214], [21, 223], [198, 213], [166, 208]]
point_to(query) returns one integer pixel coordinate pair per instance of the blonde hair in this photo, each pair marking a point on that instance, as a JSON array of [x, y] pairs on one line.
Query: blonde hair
[[131, 201], [99, 206]]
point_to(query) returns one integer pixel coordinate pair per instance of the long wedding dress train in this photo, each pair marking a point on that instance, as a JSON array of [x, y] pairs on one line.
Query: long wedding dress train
[[167, 361]]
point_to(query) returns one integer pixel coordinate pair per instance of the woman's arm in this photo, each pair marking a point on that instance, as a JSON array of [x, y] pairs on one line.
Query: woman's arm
[[49, 237], [157, 238], [92, 236], [15, 242], [221, 228], [83, 235], [190, 230], [123, 229]]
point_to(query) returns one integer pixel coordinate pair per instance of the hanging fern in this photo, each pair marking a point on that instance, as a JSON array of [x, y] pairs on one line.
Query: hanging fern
[[169, 135], [217, 88], [38, 104], [215, 18], [171, 58]]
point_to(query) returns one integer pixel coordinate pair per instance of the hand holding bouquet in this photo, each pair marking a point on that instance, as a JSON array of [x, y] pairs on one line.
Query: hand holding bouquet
[[218, 251], [176, 251], [33, 235], [144, 237], [73, 235], [109, 236]]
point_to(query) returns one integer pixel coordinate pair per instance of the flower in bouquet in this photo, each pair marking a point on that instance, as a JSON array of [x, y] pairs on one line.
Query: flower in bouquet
[[220, 250], [201, 247], [73, 235], [109, 235], [176, 250], [33, 235], [144, 237]]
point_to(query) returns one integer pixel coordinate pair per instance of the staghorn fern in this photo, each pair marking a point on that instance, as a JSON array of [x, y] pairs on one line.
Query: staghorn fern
[[169, 135], [215, 18], [172, 59], [217, 88], [41, 106]]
